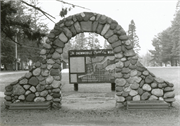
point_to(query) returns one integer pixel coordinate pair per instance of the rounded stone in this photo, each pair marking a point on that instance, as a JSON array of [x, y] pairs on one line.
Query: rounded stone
[[119, 98], [56, 55], [129, 53], [136, 98], [56, 66], [154, 85], [149, 79], [58, 78], [127, 63], [169, 100], [47, 46], [161, 99], [49, 80], [37, 71], [120, 82], [160, 85], [119, 64], [43, 82], [40, 87], [118, 55], [56, 95], [56, 90], [37, 64], [49, 97], [118, 75], [8, 98], [168, 89], [54, 72], [133, 93], [26, 86], [133, 61], [37, 94], [50, 61], [128, 98], [153, 97], [8, 93], [40, 78], [23, 81], [45, 73], [59, 50], [33, 89], [128, 42], [48, 87], [33, 81], [169, 95], [18, 90], [113, 38], [30, 97], [44, 93], [119, 89], [134, 86], [157, 92], [28, 75], [9, 88], [123, 59], [126, 76], [56, 84], [27, 92], [39, 99], [125, 70], [140, 91], [133, 73], [146, 73], [124, 94], [57, 100], [49, 67], [21, 97], [146, 87], [145, 95]]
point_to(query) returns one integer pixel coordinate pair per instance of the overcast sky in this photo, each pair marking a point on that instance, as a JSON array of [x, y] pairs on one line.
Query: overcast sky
[[150, 16]]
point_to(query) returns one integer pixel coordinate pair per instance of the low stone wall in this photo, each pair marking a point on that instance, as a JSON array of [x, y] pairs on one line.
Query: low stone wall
[[133, 80]]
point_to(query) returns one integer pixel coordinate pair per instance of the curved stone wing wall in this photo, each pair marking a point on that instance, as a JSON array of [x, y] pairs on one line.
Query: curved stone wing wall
[[133, 80]]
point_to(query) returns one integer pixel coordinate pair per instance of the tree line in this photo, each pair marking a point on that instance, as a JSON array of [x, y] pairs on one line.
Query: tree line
[[167, 43]]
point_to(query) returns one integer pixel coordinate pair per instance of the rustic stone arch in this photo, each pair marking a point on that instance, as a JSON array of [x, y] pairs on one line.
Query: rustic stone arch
[[133, 81]]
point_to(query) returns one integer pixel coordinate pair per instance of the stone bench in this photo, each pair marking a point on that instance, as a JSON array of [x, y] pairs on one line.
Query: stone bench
[[28, 105], [154, 104]]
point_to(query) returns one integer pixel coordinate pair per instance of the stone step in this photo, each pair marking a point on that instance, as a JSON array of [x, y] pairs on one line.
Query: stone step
[[147, 105], [28, 105]]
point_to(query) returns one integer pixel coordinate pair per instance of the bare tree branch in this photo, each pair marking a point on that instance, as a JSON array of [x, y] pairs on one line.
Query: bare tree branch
[[72, 4], [43, 12], [10, 37]]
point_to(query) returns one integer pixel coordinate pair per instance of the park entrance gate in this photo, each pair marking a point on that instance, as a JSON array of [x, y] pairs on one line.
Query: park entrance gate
[[133, 81]]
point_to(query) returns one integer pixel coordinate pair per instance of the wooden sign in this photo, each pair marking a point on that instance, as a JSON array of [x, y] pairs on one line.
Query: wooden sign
[[91, 66]]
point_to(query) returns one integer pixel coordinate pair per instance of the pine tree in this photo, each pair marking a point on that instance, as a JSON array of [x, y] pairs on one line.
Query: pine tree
[[133, 36]]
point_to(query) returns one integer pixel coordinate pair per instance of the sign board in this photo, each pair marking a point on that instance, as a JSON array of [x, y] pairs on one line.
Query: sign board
[[91, 66]]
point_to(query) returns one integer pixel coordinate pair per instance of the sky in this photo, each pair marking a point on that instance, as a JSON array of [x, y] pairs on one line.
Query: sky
[[150, 16]]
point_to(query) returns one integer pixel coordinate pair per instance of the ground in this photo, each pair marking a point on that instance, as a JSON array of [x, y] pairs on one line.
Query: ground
[[93, 104]]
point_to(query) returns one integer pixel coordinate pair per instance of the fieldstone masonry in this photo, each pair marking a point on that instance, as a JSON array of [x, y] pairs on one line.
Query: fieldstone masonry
[[133, 80]]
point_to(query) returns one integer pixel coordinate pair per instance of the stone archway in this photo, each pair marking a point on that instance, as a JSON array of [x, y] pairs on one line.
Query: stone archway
[[133, 80]]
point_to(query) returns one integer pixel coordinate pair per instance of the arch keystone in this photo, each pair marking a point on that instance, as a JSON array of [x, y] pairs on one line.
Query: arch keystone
[[86, 26]]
